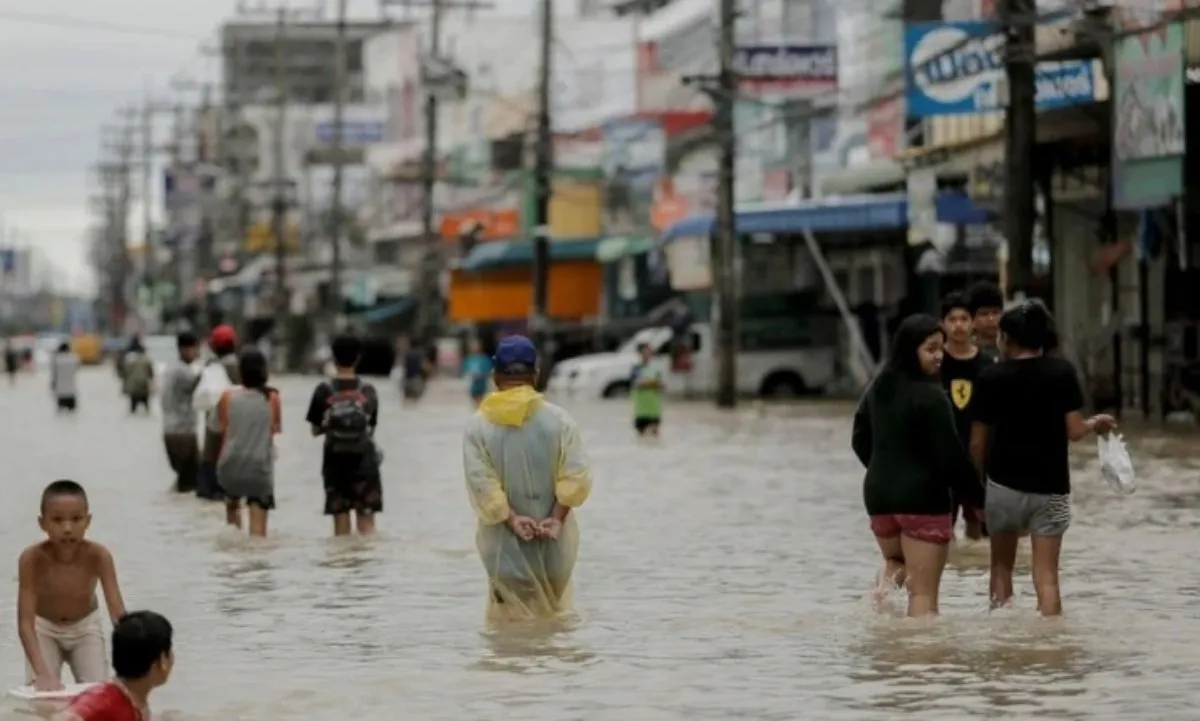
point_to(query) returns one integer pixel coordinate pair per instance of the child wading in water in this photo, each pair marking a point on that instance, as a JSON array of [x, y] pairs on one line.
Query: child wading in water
[[985, 303], [646, 390], [142, 661], [961, 365], [247, 420], [526, 470], [58, 617], [477, 367], [904, 435], [1030, 406], [345, 411]]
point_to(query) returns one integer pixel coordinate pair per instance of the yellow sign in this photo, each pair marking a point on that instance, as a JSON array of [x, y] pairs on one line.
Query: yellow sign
[[576, 209], [260, 238], [960, 392]]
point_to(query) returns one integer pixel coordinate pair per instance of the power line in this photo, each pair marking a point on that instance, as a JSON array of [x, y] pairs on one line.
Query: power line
[[64, 21]]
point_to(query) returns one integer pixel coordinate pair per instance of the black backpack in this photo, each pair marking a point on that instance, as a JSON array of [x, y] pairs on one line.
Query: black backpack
[[348, 420]]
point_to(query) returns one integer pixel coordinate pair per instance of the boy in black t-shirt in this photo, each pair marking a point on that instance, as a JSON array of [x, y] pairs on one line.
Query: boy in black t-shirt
[[985, 303], [1026, 413], [345, 410], [961, 366]]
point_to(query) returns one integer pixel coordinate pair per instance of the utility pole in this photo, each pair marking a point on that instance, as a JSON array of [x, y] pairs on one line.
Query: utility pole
[[335, 221], [428, 312], [116, 194], [279, 201], [543, 182], [280, 185], [723, 253], [149, 261], [429, 306], [1018, 18]]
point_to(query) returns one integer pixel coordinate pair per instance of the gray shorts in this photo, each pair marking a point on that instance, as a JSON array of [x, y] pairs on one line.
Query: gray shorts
[[1009, 511]]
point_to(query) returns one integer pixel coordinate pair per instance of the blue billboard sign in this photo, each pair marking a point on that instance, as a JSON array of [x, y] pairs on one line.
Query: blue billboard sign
[[354, 132], [957, 68]]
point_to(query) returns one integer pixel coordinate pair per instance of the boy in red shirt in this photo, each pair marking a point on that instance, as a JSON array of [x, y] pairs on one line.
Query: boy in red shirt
[[142, 661]]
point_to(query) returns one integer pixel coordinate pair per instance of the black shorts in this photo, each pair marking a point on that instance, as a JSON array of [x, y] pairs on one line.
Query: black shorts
[[266, 503], [67, 403], [139, 400], [641, 425], [357, 493], [183, 453]]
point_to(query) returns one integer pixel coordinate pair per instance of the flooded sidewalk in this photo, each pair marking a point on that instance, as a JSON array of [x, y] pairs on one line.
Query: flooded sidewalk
[[723, 573]]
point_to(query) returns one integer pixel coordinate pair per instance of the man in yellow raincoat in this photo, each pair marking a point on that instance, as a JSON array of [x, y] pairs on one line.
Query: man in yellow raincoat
[[526, 470]]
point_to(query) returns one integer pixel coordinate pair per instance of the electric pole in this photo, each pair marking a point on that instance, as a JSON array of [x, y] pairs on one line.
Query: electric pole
[[723, 253], [147, 167], [543, 189], [437, 76], [279, 201], [428, 314], [335, 220], [1018, 18], [280, 185]]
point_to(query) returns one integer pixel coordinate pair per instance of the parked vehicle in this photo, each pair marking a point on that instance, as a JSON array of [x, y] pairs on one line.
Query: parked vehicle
[[768, 373]]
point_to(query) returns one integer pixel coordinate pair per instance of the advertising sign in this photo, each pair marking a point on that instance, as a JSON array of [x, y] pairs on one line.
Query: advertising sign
[[957, 68], [634, 149], [1148, 117], [1135, 14], [1149, 120], [355, 133], [788, 68]]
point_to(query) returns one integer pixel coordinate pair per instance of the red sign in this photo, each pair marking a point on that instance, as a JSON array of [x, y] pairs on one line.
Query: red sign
[[668, 207], [885, 128], [494, 224]]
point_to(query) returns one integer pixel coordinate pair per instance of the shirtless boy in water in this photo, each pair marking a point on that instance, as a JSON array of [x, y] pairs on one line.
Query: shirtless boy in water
[[58, 616]]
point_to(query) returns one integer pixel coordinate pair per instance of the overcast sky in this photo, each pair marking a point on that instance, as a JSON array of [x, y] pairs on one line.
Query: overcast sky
[[65, 67]]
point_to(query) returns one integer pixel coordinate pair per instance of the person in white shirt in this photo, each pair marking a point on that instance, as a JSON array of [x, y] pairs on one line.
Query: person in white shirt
[[64, 370]]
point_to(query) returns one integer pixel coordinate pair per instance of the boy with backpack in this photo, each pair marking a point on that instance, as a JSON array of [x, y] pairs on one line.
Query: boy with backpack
[[345, 410]]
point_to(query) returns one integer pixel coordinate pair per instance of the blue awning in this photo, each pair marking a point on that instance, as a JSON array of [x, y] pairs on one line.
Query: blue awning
[[388, 310], [502, 253], [845, 214]]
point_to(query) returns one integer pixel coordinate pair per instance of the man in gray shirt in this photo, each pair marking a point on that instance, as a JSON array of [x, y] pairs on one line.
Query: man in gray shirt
[[179, 418]]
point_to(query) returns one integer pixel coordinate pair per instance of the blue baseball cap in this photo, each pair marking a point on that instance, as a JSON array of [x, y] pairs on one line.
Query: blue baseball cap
[[515, 355]]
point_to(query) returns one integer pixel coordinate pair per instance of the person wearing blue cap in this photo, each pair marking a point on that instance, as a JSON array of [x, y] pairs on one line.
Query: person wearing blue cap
[[526, 469]]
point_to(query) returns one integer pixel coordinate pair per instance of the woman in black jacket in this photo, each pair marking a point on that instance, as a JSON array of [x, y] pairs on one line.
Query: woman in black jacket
[[904, 434]]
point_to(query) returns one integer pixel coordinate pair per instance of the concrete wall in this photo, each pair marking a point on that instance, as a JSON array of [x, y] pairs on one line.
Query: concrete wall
[[1084, 307]]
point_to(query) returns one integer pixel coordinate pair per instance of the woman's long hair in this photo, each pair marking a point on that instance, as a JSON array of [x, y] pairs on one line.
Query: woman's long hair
[[903, 361], [252, 367], [1029, 326]]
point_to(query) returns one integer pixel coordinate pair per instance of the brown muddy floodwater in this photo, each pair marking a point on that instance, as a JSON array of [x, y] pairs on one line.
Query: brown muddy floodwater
[[722, 574]]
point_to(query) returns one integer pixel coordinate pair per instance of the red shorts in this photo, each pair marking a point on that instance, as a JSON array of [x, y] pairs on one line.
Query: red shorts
[[927, 528]]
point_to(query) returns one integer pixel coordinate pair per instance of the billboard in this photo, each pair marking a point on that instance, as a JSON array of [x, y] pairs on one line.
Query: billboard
[[957, 68]]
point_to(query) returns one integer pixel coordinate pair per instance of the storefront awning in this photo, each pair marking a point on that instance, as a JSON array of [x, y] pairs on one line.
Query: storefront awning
[[861, 213], [610, 250], [504, 253], [388, 310]]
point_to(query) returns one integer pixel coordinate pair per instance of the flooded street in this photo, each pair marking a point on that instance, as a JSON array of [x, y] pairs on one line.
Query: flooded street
[[722, 574]]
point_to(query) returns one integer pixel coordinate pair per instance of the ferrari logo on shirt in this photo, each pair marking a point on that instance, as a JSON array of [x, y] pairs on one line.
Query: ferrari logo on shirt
[[960, 392]]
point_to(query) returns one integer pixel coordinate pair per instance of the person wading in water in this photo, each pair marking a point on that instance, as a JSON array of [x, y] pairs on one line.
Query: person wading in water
[[961, 365], [526, 470], [223, 343], [904, 435]]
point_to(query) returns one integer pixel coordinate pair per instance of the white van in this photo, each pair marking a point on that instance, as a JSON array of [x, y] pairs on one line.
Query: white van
[[767, 373]]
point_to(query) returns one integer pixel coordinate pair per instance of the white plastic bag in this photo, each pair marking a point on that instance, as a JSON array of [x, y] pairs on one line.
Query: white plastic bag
[[1115, 464], [214, 381]]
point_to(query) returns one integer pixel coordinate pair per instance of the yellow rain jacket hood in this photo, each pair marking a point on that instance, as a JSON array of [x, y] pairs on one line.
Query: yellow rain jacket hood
[[511, 407]]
